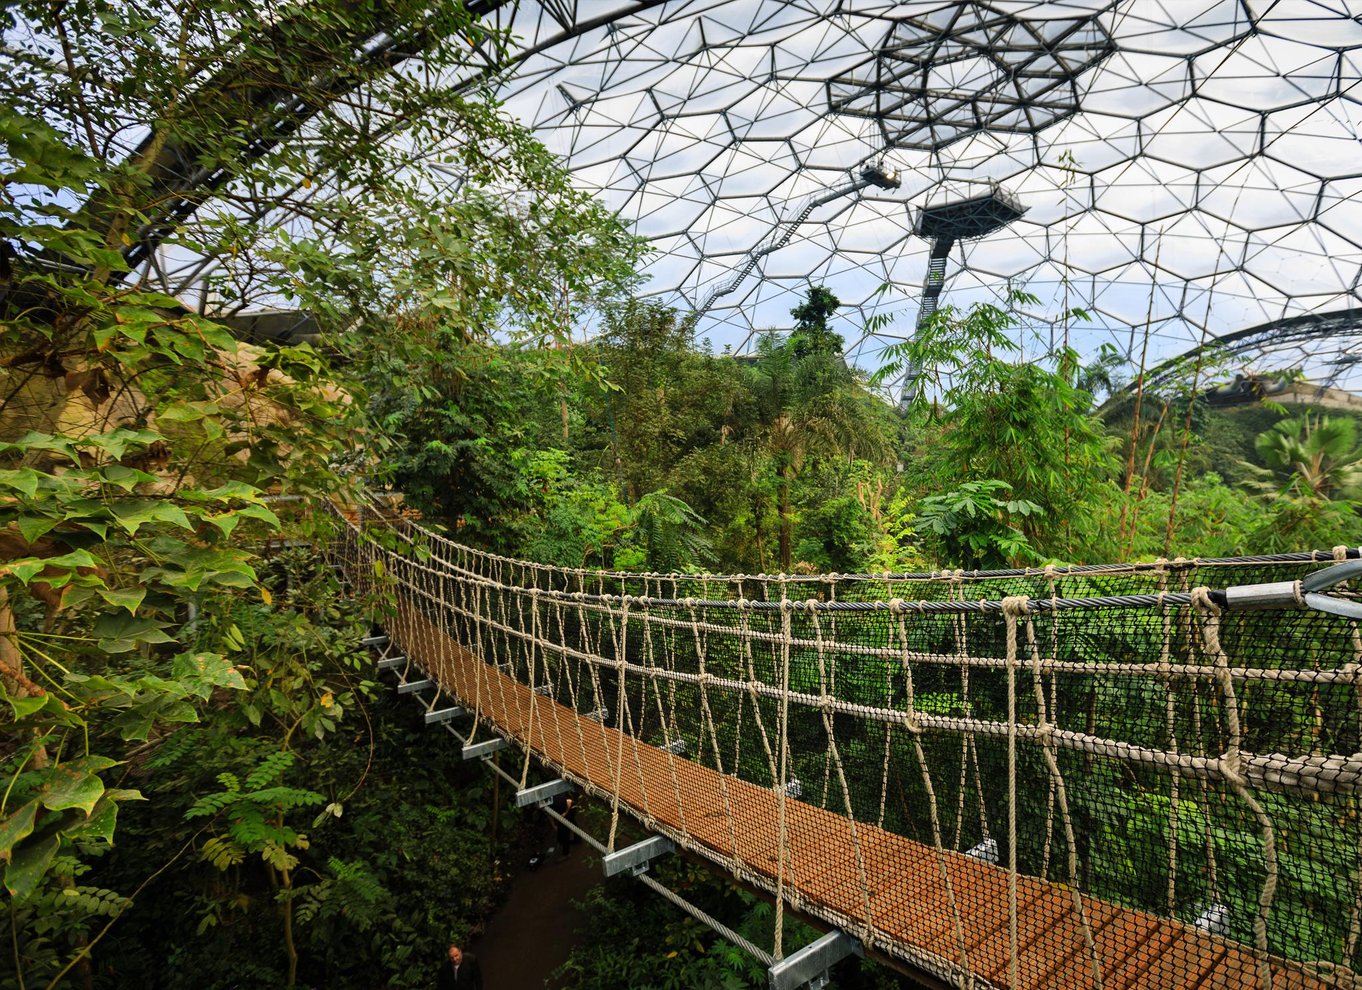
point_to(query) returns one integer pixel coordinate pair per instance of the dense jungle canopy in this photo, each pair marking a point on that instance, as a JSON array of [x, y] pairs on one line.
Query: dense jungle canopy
[[204, 783]]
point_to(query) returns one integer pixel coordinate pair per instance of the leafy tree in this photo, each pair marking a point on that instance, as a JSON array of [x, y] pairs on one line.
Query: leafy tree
[[661, 400], [978, 528], [1102, 375], [809, 407], [1025, 425], [254, 813], [811, 334]]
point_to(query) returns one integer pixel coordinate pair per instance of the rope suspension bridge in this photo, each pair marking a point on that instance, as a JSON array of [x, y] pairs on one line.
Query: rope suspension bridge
[[1105, 776]]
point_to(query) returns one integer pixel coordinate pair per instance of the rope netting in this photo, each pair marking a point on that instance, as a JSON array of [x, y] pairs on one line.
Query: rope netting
[[1103, 776]]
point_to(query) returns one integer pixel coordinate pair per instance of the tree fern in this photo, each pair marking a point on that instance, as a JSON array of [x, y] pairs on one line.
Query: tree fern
[[672, 533]]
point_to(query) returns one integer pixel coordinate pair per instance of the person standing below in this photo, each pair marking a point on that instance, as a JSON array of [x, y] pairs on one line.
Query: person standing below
[[567, 808], [461, 972]]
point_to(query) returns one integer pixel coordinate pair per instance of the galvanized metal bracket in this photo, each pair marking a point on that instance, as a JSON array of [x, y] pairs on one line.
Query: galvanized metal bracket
[[637, 858], [411, 687], [442, 715], [541, 794], [482, 750], [392, 663], [809, 966], [379, 640], [1306, 593]]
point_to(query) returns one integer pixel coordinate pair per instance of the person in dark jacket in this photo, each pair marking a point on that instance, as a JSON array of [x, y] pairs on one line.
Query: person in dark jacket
[[567, 807], [461, 972]]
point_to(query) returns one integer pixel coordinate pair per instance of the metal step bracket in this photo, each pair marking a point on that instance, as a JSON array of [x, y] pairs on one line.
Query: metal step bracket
[[377, 640], [541, 794], [411, 687], [392, 663], [637, 858], [442, 715], [1305, 593], [483, 750], [809, 966]]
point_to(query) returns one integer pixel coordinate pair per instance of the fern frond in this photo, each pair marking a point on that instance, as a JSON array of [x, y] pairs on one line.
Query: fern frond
[[271, 768], [222, 853]]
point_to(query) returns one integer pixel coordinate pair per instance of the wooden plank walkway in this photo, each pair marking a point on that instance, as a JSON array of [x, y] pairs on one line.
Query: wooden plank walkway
[[903, 899]]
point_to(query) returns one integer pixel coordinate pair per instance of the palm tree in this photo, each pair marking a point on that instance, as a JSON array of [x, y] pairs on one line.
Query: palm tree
[[1314, 458], [810, 407]]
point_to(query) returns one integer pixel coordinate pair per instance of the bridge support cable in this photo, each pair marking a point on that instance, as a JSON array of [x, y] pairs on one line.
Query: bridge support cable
[[1026, 778]]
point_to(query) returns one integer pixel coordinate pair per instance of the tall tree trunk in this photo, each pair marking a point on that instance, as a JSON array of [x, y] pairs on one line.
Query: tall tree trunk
[[786, 521], [290, 947]]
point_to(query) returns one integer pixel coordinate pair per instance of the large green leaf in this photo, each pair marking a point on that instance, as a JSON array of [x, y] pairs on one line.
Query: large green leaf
[[32, 528], [104, 819], [24, 480], [129, 598], [134, 513], [118, 633], [28, 864], [26, 706], [65, 787], [30, 567], [17, 827], [204, 671]]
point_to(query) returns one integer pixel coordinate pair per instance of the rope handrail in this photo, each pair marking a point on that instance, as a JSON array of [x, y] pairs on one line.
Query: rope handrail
[[1152, 567], [1159, 784]]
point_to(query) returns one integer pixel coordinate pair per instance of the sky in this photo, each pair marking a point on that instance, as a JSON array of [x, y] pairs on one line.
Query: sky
[[1188, 166]]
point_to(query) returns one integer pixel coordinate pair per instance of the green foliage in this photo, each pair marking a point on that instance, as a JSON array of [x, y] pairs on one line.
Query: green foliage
[[253, 816], [138, 439], [810, 407], [811, 334], [351, 893], [1213, 520], [671, 535], [976, 527], [1311, 457], [1029, 425]]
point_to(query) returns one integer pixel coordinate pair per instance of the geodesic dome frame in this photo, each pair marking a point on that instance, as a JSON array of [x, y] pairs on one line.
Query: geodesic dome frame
[[1187, 168], [1190, 168]]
